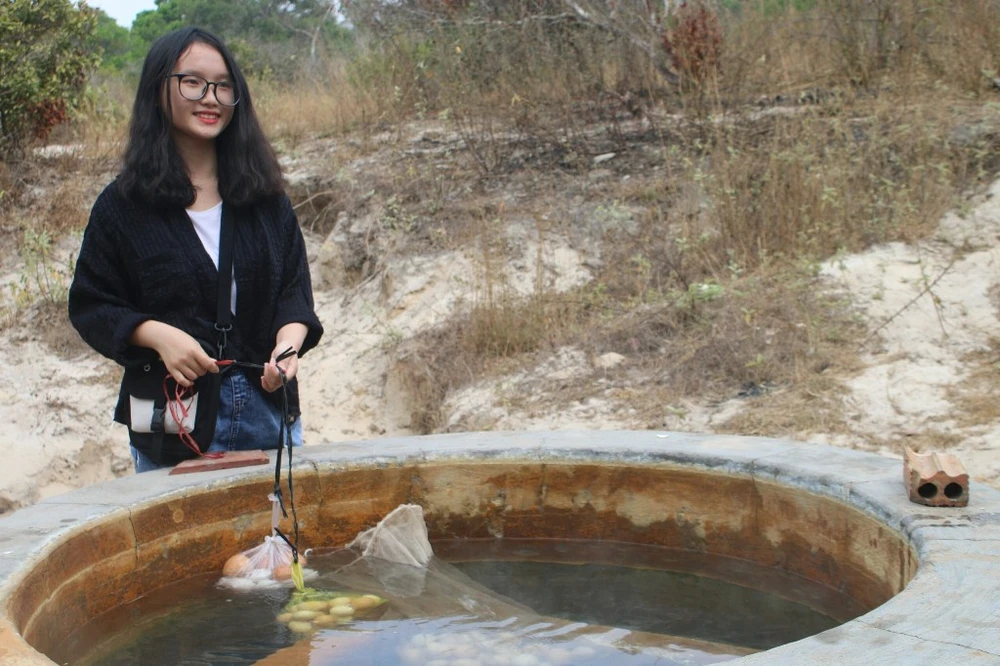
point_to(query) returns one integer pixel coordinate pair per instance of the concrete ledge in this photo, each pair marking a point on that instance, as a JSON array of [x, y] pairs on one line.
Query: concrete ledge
[[949, 610]]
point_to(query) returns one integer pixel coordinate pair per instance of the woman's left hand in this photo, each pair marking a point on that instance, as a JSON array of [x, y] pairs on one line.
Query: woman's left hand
[[271, 380], [290, 336]]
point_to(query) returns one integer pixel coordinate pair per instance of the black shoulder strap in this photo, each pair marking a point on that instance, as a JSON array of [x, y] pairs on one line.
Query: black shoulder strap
[[223, 313]]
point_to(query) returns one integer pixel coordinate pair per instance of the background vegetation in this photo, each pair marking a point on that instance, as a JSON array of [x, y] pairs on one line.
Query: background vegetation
[[750, 141]]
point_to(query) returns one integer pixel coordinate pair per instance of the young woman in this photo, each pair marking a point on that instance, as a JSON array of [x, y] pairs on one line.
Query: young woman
[[147, 278]]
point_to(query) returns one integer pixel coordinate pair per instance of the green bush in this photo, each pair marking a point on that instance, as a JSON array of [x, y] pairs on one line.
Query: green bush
[[44, 63]]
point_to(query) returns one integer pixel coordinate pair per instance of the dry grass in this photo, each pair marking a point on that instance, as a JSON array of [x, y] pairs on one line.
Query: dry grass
[[914, 47], [45, 204], [317, 105], [976, 394]]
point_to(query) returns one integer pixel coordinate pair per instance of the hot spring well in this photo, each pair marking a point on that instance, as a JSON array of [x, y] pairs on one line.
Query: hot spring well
[[911, 583]]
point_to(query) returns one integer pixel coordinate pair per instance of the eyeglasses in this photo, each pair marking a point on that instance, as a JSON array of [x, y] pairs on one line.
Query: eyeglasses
[[194, 88]]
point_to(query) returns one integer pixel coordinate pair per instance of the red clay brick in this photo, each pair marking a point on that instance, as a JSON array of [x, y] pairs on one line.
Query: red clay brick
[[935, 479]]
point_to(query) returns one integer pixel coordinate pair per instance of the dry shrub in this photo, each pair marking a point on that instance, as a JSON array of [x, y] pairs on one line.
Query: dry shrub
[[709, 289], [422, 374], [316, 105], [768, 340], [953, 41], [964, 45], [815, 404], [808, 185], [976, 394], [51, 195], [66, 206], [100, 125], [924, 46], [792, 187], [439, 60], [486, 138], [502, 322], [769, 330], [768, 335], [508, 324], [692, 37], [500, 330], [493, 337], [767, 55], [43, 210]]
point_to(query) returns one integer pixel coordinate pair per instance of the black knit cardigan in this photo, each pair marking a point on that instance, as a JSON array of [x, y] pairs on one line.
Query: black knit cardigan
[[138, 263]]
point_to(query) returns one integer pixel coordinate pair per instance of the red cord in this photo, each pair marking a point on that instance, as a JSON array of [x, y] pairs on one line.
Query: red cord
[[179, 411]]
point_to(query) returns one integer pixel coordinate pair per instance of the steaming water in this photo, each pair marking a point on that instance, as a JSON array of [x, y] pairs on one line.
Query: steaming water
[[467, 613]]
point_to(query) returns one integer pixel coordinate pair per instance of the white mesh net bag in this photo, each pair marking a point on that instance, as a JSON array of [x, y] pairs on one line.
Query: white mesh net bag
[[400, 537]]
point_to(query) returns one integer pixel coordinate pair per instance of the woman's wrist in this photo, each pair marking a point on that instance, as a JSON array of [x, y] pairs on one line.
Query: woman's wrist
[[290, 335]]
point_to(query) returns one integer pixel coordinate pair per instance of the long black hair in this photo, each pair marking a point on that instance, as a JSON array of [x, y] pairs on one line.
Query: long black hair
[[153, 171]]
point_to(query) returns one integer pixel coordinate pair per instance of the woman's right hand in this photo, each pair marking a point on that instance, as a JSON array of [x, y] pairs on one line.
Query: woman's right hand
[[184, 357]]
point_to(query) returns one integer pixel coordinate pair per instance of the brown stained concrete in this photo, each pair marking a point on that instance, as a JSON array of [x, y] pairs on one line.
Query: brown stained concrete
[[691, 510], [837, 520]]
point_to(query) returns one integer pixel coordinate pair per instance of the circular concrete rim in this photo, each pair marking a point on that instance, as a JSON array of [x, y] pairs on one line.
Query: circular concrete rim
[[949, 611]]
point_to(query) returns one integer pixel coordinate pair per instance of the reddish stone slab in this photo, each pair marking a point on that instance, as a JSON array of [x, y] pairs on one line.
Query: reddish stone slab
[[229, 460], [935, 479]]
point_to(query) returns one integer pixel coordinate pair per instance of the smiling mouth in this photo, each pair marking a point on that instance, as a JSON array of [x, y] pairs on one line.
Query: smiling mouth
[[207, 117]]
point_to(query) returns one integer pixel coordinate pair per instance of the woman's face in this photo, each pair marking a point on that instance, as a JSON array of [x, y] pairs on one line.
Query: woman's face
[[204, 119]]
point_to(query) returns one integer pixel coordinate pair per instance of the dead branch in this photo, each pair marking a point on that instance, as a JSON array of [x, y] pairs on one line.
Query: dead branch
[[913, 300]]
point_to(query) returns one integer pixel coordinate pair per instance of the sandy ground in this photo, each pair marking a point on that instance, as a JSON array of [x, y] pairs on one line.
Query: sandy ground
[[938, 355], [935, 307]]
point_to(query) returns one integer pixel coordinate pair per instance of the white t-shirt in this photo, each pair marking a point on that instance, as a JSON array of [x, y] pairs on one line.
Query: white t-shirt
[[208, 224]]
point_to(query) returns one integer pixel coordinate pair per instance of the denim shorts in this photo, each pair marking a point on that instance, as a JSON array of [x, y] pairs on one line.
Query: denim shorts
[[247, 421]]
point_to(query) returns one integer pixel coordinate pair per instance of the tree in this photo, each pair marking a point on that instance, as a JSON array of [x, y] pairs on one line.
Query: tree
[[266, 35], [45, 56], [112, 41]]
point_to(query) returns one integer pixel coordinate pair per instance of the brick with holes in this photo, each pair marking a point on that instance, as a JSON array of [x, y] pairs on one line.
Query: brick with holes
[[935, 479]]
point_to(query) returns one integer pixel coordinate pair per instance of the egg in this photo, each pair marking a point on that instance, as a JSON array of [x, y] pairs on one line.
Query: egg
[[364, 603], [300, 627], [284, 571], [236, 565], [324, 620], [341, 611]]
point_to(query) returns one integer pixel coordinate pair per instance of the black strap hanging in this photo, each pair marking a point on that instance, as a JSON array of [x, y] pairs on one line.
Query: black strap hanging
[[223, 312], [223, 324]]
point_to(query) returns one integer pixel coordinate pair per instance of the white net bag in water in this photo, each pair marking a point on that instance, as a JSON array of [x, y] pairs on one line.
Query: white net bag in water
[[391, 561], [400, 537]]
